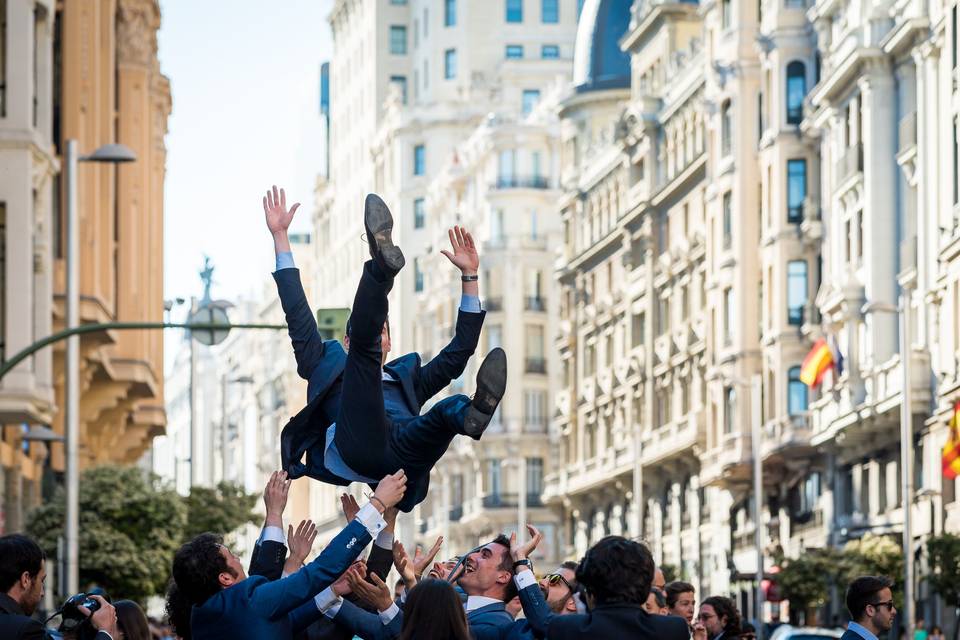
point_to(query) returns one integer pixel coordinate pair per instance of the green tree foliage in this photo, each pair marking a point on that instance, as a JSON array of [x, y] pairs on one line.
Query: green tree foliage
[[221, 509], [129, 530], [944, 555], [131, 525], [874, 555]]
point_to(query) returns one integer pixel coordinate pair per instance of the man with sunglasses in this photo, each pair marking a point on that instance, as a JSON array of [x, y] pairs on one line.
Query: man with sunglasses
[[870, 603]]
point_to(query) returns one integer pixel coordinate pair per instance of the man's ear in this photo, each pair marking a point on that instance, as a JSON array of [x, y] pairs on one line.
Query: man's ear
[[570, 605], [227, 579], [26, 580]]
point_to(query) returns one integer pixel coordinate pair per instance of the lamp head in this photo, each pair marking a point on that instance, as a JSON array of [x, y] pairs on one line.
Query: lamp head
[[112, 153]]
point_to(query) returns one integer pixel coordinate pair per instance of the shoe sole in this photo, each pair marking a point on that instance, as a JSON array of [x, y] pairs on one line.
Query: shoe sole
[[491, 385], [379, 225]]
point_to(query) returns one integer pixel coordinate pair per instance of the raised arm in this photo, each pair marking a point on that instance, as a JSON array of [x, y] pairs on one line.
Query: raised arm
[[301, 325], [452, 359], [534, 605]]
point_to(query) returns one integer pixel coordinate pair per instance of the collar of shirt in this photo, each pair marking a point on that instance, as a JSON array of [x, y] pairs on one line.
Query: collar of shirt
[[860, 631], [386, 376], [477, 602]]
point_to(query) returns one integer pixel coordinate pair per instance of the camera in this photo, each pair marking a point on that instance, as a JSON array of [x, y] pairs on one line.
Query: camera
[[73, 621]]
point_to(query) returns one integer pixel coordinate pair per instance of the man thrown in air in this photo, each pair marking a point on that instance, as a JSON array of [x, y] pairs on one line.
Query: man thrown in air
[[363, 419]]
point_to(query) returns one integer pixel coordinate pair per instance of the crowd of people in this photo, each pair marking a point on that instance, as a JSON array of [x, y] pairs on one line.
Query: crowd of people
[[363, 423]]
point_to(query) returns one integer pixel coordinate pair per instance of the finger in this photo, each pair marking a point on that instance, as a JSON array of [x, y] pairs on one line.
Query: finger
[[459, 233], [265, 210], [453, 239], [294, 208], [513, 539], [276, 196], [269, 199], [375, 579], [469, 239], [289, 532], [283, 199], [448, 254]]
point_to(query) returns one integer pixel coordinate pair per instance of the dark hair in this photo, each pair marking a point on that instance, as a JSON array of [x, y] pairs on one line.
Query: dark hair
[[617, 570], [197, 566], [570, 565], [863, 591], [178, 611], [132, 621], [659, 596], [725, 607], [506, 564], [674, 589], [433, 610], [18, 553], [346, 330]]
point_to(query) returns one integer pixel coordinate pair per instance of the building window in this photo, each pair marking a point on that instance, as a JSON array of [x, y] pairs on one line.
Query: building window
[[953, 35], [419, 160], [426, 73], [537, 169], [514, 10], [796, 189], [494, 336], [534, 477], [536, 361], [507, 172], [426, 22], [550, 11], [417, 276], [449, 13], [450, 64], [796, 291], [796, 392], [727, 220], [494, 478], [401, 83], [3, 58], [530, 98], [728, 316], [550, 52], [729, 409], [726, 128], [398, 1], [956, 165], [726, 9], [419, 214], [514, 51], [796, 91], [3, 275], [535, 410], [398, 39], [638, 330]]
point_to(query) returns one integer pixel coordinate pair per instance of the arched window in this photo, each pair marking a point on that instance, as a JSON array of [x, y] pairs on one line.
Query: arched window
[[796, 90], [796, 392]]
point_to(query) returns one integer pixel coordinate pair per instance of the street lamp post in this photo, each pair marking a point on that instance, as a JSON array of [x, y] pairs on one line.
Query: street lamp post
[[906, 446], [110, 153]]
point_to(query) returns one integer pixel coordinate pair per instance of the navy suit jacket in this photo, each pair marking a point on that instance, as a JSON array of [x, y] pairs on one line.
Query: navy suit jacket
[[613, 621], [851, 635], [259, 608], [321, 363]]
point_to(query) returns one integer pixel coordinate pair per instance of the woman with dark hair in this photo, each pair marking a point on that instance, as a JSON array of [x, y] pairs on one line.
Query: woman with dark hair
[[131, 621], [434, 611]]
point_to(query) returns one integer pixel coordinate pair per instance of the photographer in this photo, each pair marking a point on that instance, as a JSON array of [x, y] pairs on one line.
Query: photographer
[[22, 574]]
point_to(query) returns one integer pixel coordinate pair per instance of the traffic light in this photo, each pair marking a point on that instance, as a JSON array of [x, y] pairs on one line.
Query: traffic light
[[332, 323]]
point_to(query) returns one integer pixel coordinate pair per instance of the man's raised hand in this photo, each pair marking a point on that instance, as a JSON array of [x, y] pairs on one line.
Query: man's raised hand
[[389, 491], [349, 506], [401, 560], [275, 211], [464, 255], [342, 585], [522, 551], [375, 592], [275, 498], [423, 560], [301, 541]]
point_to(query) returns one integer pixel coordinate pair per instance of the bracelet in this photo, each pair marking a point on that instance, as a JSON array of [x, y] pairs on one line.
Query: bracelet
[[373, 497], [472, 278]]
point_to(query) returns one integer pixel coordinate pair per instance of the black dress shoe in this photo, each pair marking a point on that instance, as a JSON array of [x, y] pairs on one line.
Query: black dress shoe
[[491, 385], [379, 225]]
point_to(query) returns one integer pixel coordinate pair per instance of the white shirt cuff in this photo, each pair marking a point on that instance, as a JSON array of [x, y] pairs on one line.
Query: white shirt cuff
[[389, 614], [524, 579], [371, 519], [385, 540], [326, 599], [272, 534], [332, 611]]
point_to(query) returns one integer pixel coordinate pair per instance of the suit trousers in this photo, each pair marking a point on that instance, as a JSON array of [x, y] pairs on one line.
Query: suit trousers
[[369, 441]]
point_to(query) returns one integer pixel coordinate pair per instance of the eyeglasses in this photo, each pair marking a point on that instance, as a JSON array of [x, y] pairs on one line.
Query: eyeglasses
[[553, 579], [705, 616], [888, 604]]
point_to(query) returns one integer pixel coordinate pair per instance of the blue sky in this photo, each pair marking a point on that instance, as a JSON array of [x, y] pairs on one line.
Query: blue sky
[[245, 82]]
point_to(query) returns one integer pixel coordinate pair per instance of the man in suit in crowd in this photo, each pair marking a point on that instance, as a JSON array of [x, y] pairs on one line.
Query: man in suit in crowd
[[227, 604], [363, 413], [870, 603], [616, 575], [718, 619], [22, 574], [486, 578]]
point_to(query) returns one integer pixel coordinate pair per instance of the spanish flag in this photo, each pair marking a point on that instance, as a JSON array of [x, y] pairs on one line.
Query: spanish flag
[[816, 364], [951, 450]]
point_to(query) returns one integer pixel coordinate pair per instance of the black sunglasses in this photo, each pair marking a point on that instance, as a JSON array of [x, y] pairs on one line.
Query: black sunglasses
[[553, 579], [888, 604]]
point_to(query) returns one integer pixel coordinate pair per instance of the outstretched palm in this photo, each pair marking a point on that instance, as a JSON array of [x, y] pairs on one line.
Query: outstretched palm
[[275, 210], [464, 255]]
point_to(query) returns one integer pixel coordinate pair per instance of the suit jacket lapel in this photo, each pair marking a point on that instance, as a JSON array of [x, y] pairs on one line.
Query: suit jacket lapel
[[406, 383]]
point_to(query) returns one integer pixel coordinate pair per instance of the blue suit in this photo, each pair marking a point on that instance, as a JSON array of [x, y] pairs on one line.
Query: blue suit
[[379, 428], [259, 608]]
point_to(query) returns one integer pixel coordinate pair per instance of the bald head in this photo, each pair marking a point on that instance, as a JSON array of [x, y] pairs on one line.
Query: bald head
[[658, 580]]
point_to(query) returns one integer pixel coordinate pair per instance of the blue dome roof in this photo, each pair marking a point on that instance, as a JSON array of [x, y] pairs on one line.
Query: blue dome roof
[[598, 62]]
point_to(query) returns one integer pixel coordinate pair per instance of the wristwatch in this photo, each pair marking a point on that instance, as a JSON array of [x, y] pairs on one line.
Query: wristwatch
[[520, 563], [472, 278]]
